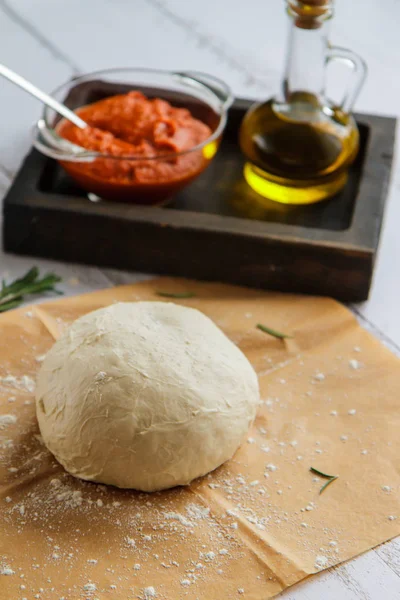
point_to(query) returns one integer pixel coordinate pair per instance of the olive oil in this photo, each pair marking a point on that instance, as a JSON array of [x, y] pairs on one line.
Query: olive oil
[[299, 145], [298, 152]]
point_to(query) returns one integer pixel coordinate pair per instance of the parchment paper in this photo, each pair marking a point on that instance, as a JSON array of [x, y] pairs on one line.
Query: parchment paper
[[253, 527]]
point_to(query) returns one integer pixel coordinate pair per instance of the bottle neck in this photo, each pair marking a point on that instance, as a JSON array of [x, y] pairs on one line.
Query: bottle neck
[[307, 48]]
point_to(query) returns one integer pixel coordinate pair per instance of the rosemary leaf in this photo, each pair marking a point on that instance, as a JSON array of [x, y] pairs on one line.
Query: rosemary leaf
[[273, 332], [13, 294], [321, 474], [20, 283], [327, 483], [10, 305], [180, 295], [330, 478]]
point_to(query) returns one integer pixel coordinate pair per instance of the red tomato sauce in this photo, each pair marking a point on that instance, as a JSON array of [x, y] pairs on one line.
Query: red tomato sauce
[[140, 137]]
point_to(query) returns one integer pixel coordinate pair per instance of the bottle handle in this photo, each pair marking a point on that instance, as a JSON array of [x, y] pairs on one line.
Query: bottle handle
[[359, 68]]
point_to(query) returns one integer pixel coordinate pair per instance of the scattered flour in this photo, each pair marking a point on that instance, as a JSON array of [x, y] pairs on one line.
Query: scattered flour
[[6, 570], [209, 556], [6, 420], [271, 467], [354, 364], [130, 542], [62, 493], [24, 383], [89, 587], [197, 512], [178, 517], [320, 562], [319, 376]]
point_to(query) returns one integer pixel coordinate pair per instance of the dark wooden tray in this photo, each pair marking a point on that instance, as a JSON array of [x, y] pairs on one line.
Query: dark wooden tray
[[207, 232]]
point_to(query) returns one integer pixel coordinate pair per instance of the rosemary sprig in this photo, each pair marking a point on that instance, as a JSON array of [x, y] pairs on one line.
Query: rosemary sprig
[[273, 332], [327, 483], [13, 294], [330, 478], [180, 295]]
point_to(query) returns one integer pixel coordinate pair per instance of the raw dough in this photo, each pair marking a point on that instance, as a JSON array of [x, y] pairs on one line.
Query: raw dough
[[144, 395]]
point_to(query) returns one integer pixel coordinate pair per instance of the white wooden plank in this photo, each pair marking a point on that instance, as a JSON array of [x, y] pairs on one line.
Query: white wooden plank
[[370, 578], [326, 586], [256, 35], [124, 278], [382, 307], [30, 58], [135, 34], [390, 554], [365, 578], [4, 183]]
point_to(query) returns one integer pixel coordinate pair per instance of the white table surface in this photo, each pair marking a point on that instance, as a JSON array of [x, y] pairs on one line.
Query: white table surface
[[48, 41]]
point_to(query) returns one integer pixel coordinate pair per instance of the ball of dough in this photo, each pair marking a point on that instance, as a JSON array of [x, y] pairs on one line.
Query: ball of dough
[[144, 395]]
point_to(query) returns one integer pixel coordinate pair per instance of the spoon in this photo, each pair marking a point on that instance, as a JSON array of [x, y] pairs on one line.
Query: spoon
[[26, 85]]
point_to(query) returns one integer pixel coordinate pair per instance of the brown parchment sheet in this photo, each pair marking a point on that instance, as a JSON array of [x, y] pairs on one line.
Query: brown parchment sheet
[[255, 526]]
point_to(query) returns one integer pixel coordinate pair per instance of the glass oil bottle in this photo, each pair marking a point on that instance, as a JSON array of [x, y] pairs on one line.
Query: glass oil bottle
[[300, 145]]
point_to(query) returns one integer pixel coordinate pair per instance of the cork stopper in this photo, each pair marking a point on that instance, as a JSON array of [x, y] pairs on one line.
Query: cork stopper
[[310, 14]]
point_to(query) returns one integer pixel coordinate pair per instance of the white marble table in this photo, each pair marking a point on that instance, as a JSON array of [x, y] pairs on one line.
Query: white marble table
[[48, 41]]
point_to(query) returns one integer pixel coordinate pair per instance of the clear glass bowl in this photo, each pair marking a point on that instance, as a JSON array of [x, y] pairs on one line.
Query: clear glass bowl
[[205, 96]]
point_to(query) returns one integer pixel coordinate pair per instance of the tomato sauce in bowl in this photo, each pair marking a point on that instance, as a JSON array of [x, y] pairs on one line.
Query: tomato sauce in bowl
[[147, 148], [149, 132]]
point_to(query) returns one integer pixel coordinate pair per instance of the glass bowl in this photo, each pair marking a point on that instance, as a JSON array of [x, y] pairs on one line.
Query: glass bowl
[[205, 96]]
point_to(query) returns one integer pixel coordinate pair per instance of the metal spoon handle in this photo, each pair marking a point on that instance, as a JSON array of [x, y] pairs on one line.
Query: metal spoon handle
[[42, 96]]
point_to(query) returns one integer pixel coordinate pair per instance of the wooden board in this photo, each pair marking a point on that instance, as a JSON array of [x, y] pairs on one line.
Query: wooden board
[[206, 233]]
